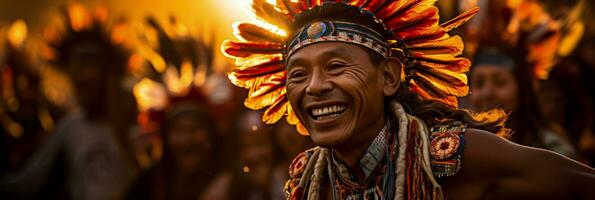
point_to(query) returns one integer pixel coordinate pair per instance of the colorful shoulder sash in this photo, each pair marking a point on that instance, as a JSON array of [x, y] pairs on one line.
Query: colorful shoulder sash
[[300, 170]]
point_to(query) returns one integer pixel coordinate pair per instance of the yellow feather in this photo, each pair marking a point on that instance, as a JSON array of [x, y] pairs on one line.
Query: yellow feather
[[460, 20], [276, 111], [445, 83], [264, 100]]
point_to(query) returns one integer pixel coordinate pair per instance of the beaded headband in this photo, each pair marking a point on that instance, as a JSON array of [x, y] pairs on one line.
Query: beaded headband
[[334, 31]]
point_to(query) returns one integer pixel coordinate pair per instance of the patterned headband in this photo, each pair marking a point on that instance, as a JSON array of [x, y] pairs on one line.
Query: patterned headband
[[334, 31]]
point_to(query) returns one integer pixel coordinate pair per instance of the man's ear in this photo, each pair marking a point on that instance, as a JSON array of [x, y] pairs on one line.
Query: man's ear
[[391, 75]]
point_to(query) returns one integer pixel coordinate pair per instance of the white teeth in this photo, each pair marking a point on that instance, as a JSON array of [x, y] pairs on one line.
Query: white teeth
[[327, 116], [329, 111]]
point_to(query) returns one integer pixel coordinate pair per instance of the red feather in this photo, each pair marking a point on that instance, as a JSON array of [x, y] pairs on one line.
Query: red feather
[[259, 70], [245, 49]]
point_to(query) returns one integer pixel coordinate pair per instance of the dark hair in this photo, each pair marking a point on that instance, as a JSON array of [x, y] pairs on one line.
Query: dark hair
[[431, 112], [193, 109]]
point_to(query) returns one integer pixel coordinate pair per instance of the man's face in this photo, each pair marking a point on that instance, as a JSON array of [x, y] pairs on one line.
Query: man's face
[[336, 92]]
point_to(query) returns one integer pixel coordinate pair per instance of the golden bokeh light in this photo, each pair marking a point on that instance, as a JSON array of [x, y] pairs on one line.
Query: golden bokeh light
[[150, 94], [17, 33], [79, 17]]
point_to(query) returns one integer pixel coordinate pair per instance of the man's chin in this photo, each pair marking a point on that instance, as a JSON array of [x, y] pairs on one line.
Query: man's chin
[[328, 140]]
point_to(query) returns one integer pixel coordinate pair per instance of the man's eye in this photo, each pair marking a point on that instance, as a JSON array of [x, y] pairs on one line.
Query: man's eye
[[334, 66], [298, 75]]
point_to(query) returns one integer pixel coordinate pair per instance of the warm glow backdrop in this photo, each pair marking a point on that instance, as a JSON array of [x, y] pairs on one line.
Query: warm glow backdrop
[[204, 17]]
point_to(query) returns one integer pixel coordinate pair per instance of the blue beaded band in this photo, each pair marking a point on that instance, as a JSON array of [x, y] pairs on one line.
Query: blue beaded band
[[334, 31]]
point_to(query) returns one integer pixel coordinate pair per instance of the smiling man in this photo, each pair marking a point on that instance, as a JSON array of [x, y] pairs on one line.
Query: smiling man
[[374, 83]]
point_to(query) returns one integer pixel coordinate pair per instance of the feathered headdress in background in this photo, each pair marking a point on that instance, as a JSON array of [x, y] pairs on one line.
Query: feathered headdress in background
[[171, 65], [79, 24], [530, 26]]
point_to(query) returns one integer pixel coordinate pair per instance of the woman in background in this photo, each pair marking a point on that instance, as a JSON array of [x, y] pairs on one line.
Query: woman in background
[[498, 79]]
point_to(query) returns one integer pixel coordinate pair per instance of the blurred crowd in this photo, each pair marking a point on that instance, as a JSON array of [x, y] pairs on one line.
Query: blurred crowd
[[95, 106]]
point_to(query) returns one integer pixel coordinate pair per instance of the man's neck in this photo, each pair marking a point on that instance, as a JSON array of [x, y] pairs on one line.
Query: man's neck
[[358, 145]]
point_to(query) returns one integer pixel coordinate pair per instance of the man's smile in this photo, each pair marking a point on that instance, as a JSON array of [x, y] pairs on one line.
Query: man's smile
[[325, 113]]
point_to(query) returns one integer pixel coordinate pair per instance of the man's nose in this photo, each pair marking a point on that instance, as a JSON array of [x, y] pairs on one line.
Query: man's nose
[[318, 85]]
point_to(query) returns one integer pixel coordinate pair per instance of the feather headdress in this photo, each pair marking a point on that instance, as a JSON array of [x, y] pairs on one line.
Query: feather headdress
[[548, 38], [433, 68]]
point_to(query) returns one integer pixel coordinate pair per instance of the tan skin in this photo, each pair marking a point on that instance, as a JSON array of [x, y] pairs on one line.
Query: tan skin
[[493, 86], [344, 74]]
